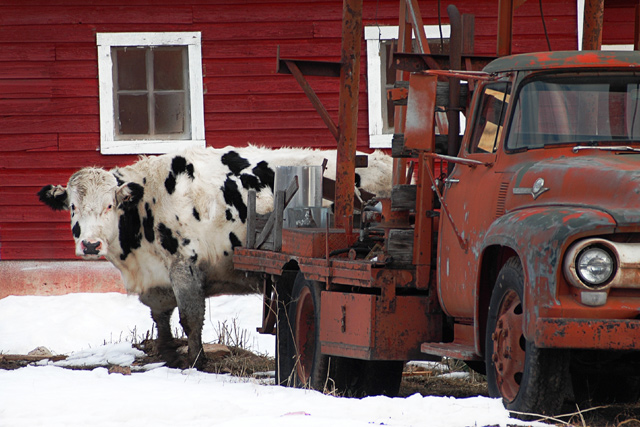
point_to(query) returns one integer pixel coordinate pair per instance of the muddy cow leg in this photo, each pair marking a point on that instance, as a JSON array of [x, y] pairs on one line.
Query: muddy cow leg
[[162, 302], [187, 284]]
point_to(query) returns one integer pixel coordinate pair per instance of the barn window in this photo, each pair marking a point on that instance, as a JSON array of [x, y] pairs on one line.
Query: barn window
[[151, 98], [381, 42]]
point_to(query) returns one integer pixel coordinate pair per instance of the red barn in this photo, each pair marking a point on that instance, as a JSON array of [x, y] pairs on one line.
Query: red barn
[[90, 82]]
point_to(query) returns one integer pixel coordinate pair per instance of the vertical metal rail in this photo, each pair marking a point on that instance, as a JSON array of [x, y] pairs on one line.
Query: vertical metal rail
[[505, 27], [593, 21], [348, 113]]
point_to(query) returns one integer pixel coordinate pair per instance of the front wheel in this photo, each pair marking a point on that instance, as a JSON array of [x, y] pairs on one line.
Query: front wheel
[[527, 378]]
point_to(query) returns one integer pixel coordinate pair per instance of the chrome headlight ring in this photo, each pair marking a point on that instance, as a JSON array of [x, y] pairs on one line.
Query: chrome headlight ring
[[591, 264]]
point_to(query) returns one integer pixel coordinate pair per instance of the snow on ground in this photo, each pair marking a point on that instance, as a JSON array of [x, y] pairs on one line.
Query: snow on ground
[[98, 329]]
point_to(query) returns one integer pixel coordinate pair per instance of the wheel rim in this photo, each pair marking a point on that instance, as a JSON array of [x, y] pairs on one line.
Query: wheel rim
[[509, 346], [305, 335]]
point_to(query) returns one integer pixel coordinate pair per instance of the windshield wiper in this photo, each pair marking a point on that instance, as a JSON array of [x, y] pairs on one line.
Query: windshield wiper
[[612, 148]]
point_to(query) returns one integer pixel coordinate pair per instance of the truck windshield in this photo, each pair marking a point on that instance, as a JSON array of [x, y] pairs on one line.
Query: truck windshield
[[576, 109]]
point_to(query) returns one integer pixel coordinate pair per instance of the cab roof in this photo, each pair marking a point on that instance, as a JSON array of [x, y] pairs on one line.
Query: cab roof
[[565, 59]]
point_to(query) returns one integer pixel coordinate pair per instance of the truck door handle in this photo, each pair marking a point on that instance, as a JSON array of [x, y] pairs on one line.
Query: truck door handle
[[451, 180]]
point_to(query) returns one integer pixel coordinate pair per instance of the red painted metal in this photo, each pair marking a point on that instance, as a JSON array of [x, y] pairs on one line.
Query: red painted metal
[[505, 27], [348, 113], [592, 27], [360, 326]]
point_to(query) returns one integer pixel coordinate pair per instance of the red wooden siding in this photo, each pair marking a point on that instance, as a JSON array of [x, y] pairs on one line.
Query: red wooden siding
[[618, 21], [49, 123]]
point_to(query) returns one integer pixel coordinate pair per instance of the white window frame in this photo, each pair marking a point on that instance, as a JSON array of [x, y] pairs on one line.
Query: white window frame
[[108, 142], [373, 36]]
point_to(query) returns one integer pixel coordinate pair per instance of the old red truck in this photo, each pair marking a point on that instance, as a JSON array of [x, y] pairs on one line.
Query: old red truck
[[521, 258]]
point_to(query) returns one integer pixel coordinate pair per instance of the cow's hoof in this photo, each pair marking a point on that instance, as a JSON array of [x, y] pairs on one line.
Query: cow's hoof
[[200, 363]]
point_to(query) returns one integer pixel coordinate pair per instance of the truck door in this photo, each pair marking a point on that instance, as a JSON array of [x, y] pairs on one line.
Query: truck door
[[471, 194]]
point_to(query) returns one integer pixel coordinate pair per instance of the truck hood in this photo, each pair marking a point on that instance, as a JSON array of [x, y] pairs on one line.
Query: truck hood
[[606, 181]]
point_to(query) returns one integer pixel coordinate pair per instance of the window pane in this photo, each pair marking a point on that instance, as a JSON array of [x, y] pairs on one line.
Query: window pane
[[168, 69], [169, 114], [133, 115], [132, 70]]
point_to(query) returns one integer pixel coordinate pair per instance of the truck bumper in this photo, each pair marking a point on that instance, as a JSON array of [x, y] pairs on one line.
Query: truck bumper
[[604, 334]]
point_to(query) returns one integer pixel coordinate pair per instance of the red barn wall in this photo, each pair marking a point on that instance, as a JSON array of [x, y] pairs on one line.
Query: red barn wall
[[619, 21], [49, 118]]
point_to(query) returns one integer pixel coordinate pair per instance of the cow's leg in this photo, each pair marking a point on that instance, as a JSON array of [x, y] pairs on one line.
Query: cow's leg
[[162, 302], [187, 284]]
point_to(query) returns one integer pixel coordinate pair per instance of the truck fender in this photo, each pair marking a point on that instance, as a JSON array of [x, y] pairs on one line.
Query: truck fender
[[540, 235]]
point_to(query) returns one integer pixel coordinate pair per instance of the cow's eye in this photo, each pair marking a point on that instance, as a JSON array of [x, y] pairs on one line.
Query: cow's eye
[[109, 207]]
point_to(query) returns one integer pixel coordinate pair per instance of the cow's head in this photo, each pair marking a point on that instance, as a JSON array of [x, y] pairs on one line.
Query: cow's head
[[95, 202]]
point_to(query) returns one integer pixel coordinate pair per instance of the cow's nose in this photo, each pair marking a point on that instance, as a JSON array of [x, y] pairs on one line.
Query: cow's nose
[[91, 248]]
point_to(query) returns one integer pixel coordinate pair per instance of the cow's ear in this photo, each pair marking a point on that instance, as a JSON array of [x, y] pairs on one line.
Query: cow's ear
[[56, 197], [128, 195]]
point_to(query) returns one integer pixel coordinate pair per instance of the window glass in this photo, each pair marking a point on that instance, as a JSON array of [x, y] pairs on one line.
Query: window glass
[[576, 109], [151, 100], [131, 69], [490, 119]]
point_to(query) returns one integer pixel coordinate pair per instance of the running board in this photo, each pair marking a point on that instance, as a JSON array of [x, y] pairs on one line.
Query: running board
[[450, 349]]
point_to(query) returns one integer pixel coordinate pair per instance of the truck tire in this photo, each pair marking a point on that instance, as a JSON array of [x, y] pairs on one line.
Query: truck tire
[[308, 367], [528, 379], [284, 364]]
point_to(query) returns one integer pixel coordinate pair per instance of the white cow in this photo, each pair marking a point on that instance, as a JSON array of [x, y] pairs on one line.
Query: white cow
[[169, 223]]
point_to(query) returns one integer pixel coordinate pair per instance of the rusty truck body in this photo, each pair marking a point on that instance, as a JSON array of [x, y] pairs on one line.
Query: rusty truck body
[[518, 253]]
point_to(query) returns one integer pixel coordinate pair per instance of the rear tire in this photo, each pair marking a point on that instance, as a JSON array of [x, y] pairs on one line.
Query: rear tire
[[301, 363], [528, 379]]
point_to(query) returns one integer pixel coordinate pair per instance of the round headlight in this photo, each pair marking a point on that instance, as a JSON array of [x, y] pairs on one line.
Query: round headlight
[[595, 266]]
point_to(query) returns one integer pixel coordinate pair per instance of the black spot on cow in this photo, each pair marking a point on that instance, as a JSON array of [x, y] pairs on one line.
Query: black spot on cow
[[233, 198], [170, 183], [129, 223], [167, 240], [251, 182], [229, 215], [194, 258], [136, 193], [185, 242], [177, 218], [225, 253], [129, 232], [144, 181], [234, 240], [147, 224], [234, 162], [76, 230], [179, 165], [196, 214], [358, 180], [154, 200], [265, 174]]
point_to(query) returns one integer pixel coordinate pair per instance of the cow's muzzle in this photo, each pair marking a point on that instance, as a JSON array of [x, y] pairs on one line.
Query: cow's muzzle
[[91, 247]]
